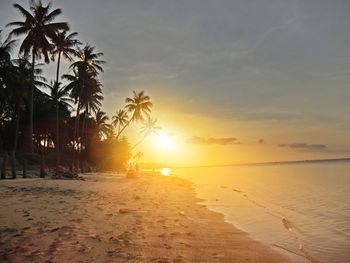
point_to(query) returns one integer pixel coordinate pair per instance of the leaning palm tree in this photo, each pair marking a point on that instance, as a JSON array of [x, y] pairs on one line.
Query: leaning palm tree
[[64, 45], [60, 96], [38, 28], [140, 106], [147, 129], [120, 119]]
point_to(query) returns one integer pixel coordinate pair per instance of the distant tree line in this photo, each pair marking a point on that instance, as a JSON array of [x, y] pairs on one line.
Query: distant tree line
[[59, 123]]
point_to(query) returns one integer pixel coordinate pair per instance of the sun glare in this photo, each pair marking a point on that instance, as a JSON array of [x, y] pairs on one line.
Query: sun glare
[[165, 142], [166, 171]]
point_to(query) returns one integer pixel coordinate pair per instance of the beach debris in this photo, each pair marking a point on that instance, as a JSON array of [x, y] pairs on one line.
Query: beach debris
[[94, 236], [137, 197], [124, 211], [287, 225], [63, 173], [182, 213], [54, 229], [167, 246]]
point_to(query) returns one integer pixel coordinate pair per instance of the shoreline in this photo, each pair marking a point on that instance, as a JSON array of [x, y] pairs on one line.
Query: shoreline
[[108, 218], [291, 255]]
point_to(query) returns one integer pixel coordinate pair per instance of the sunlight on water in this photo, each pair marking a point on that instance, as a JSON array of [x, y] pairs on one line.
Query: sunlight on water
[[300, 208], [166, 171]]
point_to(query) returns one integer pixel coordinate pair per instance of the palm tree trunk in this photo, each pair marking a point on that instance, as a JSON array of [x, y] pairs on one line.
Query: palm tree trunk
[[13, 152], [13, 164], [42, 168], [144, 137], [124, 128], [3, 165], [42, 162], [119, 129], [57, 123], [24, 166], [82, 136], [58, 67], [57, 138], [31, 106], [76, 127]]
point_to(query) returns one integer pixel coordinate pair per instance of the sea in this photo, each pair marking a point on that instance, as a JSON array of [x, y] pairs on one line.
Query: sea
[[300, 209]]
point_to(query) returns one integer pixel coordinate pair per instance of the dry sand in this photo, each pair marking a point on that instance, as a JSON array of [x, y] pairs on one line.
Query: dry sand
[[108, 218]]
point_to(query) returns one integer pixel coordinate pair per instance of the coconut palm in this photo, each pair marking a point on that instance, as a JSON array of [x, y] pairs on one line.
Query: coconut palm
[[60, 95], [15, 81], [90, 99], [88, 61], [64, 45], [86, 68], [38, 28], [91, 96], [120, 119], [147, 129], [86, 90], [139, 105], [138, 156], [102, 128], [5, 49], [6, 68]]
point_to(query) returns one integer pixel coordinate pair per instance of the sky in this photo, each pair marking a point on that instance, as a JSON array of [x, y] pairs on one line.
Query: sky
[[231, 81]]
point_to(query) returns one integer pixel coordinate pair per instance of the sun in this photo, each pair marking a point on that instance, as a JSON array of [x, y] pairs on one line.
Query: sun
[[165, 141]]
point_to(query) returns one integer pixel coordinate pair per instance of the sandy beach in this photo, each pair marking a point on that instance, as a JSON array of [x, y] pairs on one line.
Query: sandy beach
[[109, 218]]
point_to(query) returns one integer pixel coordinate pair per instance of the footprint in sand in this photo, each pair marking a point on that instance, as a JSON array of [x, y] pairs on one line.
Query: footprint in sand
[[162, 235]]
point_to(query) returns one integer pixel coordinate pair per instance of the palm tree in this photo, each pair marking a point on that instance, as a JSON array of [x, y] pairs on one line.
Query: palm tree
[[59, 96], [147, 129], [103, 128], [86, 69], [87, 93], [88, 60], [64, 45], [91, 96], [6, 68], [120, 119], [138, 156], [5, 49], [15, 81], [139, 105], [8, 74], [37, 27]]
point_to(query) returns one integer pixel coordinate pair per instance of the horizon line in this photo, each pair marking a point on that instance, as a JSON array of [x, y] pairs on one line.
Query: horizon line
[[306, 161]]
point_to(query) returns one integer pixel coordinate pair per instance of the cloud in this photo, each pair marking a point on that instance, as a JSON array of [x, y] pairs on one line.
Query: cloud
[[314, 147], [219, 141]]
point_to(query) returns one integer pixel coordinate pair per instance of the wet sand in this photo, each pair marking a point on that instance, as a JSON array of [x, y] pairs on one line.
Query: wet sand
[[109, 218]]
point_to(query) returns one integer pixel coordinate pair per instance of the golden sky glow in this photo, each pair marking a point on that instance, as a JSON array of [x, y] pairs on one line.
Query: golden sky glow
[[276, 80], [171, 147]]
